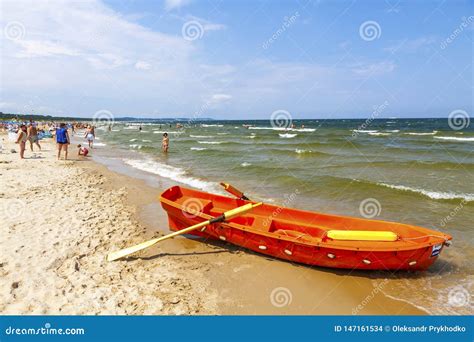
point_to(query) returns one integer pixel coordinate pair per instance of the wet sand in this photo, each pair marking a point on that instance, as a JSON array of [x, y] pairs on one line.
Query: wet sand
[[53, 255]]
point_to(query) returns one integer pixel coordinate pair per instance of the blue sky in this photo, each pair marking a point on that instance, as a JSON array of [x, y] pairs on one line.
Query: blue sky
[[237, 59]]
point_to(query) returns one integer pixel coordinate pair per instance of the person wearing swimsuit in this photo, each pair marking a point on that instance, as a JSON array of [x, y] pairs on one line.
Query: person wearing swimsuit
[[90, 135], [33, 136], [21, 139], [165, 142], [62, 139]]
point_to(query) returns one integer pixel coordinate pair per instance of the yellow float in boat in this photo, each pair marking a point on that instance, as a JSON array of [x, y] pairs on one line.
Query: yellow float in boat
[[362, 235]]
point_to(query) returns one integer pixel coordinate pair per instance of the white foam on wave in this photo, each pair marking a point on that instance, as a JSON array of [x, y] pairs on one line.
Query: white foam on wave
[[300, 151], [207, 125], [132, 140], [455, 138], [135, 146], [146, 140], [287, 135], [169, 132], [99, 144], [202, 136], [284, 129], [222, 133], [210, 142], [436, 195], [198, 148], [245, 164], [170, 172], [421, 133], [393, 130], [303, 129], [364, 131], [115, 130], [383, 134]]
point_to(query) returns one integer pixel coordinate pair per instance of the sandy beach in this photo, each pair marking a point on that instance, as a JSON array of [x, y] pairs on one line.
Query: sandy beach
[[61, 218]]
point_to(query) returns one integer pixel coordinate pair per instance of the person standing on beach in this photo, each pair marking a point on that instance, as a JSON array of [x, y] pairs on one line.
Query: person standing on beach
[[33, 136], [90, 135], [165, 142], [62, 139], [21, 139]]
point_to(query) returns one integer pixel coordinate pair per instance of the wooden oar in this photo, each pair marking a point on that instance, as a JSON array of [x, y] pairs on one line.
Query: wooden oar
[[224, 217], [234, 191]]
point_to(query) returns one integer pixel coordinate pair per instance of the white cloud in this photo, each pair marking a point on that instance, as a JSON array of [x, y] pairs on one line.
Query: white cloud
[[220, 98], [374, 69], [142, 65], [38, 48], [175, 4]]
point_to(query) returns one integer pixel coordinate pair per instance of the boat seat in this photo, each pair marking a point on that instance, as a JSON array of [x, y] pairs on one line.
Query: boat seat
[[362, 235], [192, 204]]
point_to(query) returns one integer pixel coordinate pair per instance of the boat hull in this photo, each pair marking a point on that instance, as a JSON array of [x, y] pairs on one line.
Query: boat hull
[[419, 257]]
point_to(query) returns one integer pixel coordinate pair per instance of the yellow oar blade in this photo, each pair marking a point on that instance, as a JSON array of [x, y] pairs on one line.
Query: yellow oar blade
[[225, 216], [127, 251]]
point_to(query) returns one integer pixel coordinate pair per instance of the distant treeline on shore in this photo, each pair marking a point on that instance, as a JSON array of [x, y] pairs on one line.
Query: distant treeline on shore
[[36, 117]]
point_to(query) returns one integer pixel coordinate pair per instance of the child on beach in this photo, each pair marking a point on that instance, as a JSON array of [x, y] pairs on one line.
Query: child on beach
[[21, 139], [62, 139], [83, 151], [165, 142]]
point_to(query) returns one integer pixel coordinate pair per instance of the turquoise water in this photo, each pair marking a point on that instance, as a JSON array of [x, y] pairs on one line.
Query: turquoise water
[[418, 171]]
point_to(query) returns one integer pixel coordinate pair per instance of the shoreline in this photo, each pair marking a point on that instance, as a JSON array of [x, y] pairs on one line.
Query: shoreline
[[187, 276]]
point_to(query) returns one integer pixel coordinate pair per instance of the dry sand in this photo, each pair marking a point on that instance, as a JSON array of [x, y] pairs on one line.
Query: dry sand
[[60, 218]]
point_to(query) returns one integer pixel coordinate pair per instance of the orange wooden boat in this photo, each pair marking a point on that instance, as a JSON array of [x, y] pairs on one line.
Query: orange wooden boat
[[307, 237]]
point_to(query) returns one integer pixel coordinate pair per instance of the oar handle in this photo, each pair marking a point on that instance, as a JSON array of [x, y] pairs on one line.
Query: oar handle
[[234, 191]]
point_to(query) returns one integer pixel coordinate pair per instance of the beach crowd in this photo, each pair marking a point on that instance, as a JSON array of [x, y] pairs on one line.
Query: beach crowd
[[32, 132]]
